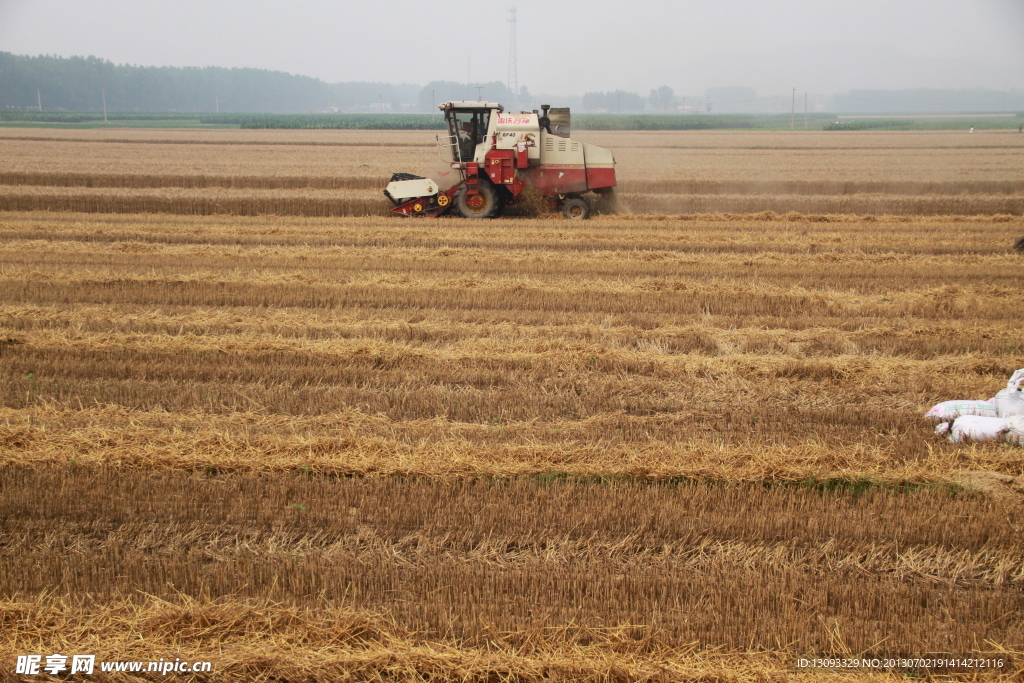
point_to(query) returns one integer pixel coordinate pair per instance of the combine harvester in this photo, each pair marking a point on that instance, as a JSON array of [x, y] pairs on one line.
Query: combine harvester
[[495, 156]]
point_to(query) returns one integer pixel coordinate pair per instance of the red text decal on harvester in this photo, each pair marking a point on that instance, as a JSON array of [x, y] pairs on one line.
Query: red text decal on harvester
[[494, 156]]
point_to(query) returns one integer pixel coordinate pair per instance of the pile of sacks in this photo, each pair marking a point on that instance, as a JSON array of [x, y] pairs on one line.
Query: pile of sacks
[[1000, 418]]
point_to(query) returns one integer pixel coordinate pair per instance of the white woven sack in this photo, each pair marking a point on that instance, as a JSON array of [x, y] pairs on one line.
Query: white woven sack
[[1010, 401], [950, 410], [977, 428], [1014, 430]]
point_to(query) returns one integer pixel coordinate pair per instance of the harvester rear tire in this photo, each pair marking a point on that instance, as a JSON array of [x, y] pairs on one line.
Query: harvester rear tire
[[576, 208], [485, 204], [1019, 244]]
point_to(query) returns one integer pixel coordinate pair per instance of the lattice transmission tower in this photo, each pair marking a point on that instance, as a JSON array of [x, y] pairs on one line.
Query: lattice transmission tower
[[513, 75]]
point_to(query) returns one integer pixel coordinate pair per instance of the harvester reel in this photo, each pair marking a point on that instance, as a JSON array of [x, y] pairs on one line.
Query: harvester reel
[[576, 208], [484, 204]]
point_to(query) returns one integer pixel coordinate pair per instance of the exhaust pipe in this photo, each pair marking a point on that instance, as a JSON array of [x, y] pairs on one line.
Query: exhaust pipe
[[545, 120]]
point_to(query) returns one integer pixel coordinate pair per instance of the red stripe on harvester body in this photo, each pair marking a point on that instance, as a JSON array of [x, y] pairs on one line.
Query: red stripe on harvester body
[[600, 177], [557, 181]]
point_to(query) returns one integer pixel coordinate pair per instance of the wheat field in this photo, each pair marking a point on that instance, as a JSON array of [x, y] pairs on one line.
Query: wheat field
[[676, 172], [664, 444]]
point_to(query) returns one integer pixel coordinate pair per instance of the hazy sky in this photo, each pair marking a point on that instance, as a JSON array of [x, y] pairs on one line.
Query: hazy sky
[[565, 46]]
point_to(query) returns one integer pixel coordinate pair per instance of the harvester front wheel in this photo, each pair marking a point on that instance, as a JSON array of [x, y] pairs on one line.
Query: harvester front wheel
[[484, 204], [576, 208]]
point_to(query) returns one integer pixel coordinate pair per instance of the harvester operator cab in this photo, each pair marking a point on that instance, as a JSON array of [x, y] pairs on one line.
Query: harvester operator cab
[[467, 126]]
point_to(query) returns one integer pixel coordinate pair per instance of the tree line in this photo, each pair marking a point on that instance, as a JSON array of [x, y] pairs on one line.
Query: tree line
[[82, 84], [87, 83]]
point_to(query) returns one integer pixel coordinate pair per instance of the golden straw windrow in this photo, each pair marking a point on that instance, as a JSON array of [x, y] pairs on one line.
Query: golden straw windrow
[[739, 349]]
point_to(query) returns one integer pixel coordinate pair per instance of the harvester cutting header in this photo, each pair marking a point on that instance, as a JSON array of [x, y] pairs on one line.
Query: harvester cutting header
[[494, 156]]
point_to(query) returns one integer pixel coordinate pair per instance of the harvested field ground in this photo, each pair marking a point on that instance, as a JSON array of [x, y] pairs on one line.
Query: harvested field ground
[[644, 447], [180, 171], [539, 580], [743, 349]]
